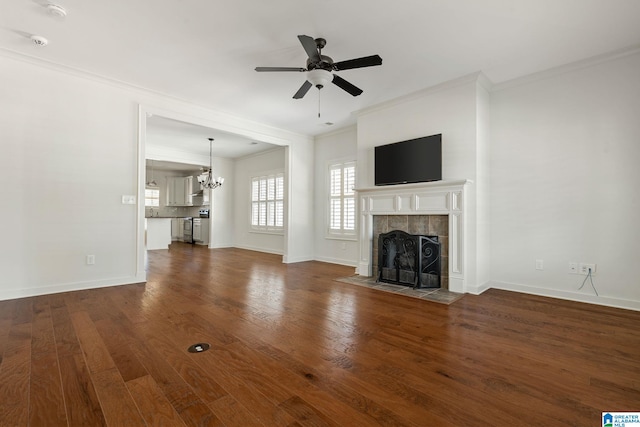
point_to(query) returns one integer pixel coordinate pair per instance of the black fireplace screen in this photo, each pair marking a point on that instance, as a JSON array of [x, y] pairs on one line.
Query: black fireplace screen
[[409, 259]]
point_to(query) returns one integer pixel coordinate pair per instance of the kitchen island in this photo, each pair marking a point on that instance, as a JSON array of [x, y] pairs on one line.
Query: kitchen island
[[158, 233]]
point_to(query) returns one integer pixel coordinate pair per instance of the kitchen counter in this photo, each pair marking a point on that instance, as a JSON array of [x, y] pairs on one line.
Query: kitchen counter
[[158, 233]]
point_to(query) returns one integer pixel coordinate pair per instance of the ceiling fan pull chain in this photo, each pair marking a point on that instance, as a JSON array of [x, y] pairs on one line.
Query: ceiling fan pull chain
[[319, 92]]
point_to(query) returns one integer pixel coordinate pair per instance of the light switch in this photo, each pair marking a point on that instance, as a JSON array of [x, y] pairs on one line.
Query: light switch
[[128, 200]]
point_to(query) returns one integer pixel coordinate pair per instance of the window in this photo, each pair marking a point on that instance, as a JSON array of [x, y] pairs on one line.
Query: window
[[342, 199], [151, 197], [267, 202]]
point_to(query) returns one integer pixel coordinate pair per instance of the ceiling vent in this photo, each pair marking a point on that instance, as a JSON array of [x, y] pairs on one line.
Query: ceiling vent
[[56, 10]]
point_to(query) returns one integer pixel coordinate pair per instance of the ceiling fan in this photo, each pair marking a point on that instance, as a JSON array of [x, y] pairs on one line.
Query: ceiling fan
[[319, 67]]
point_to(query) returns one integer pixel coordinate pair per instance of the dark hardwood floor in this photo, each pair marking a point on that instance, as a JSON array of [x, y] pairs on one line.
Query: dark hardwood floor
[[292, 347]]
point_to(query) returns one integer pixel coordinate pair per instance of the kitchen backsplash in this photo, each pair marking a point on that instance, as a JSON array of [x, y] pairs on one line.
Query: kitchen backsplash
[[171, 211]]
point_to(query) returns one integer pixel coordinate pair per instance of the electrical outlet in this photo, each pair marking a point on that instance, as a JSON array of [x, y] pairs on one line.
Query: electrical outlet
[[539, 264], [91, 259], [585, 267], [573, 268]]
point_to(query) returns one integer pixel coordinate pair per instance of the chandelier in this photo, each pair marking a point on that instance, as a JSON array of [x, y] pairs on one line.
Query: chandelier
[[210, 182]]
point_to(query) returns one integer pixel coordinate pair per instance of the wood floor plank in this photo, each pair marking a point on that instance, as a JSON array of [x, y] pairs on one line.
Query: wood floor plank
[[232, 413], [95, 351], [124, 359], [181, 396], [263, 406], [117, 405], [152, 404], [291, 346], [14, 373], [81, 401], [46, 403]]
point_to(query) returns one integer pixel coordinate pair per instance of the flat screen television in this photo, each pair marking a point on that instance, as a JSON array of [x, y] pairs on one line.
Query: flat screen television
[[405, 162]]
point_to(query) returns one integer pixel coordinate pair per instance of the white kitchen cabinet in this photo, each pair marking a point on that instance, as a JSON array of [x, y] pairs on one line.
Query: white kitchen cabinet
[[180, 191], [176, 191], [201, 230], [176, 229], [197, 230], [180, 229]]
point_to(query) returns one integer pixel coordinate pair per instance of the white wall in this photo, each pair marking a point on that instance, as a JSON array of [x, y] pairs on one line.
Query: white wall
[[565, 157], [298, 219], [69, 153], [336, 146], [222, 205], [453, 109], [245, 169]]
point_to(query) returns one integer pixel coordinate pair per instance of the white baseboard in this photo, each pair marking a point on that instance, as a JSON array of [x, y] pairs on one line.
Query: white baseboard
[[567, 295], [339, 261], [68, 287], [477, 290], [258, 249], [286, 259]]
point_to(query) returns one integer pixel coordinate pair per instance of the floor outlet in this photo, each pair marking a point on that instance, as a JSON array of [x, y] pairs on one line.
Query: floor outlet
[[539, 264]]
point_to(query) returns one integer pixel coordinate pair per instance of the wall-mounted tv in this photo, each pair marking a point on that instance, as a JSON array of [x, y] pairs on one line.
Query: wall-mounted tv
[[414, 160]]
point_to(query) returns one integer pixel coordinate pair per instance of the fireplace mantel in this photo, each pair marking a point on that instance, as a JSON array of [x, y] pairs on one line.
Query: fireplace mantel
[[429, 198]]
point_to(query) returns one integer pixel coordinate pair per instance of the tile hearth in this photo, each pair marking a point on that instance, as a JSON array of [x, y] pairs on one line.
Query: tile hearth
[[439, 295]]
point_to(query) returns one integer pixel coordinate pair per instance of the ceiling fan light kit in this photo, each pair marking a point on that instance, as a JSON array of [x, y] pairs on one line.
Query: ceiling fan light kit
[[320, 67], [319, 78]]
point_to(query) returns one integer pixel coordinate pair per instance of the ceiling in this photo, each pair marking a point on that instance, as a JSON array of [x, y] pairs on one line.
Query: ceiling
[[205, 52], [168, 134]]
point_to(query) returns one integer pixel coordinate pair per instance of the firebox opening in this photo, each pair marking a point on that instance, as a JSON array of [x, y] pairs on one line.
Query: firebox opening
[[425, 225], [409, 259]]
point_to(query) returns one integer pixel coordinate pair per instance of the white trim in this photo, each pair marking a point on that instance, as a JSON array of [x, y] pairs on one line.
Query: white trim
[[339, 261], [69, 287], [430, 198], [258, 249], [573, 66], [567, 295], [462, 81]]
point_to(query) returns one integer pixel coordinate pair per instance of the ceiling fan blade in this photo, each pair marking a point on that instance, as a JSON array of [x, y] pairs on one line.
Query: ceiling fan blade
[[365, 61], [345, 85], [309, 45], [280, 69], [303, 90]]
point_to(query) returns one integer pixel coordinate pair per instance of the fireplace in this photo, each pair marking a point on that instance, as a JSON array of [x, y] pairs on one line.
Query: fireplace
[[429, 209], [409, 259]]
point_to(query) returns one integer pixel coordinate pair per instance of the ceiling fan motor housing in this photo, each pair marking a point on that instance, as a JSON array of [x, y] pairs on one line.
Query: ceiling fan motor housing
[[325, 63]]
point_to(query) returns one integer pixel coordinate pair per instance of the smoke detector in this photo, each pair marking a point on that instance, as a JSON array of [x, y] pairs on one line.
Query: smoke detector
[[39, 40], [56, 10]]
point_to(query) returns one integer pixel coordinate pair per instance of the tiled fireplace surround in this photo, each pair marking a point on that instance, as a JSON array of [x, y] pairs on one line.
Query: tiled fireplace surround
[[426, 225], [433, 208]]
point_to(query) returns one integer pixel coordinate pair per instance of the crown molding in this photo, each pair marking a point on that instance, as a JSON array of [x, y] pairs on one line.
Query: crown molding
[[562, 69], [339, 131], [214, 118], [477, 77]]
